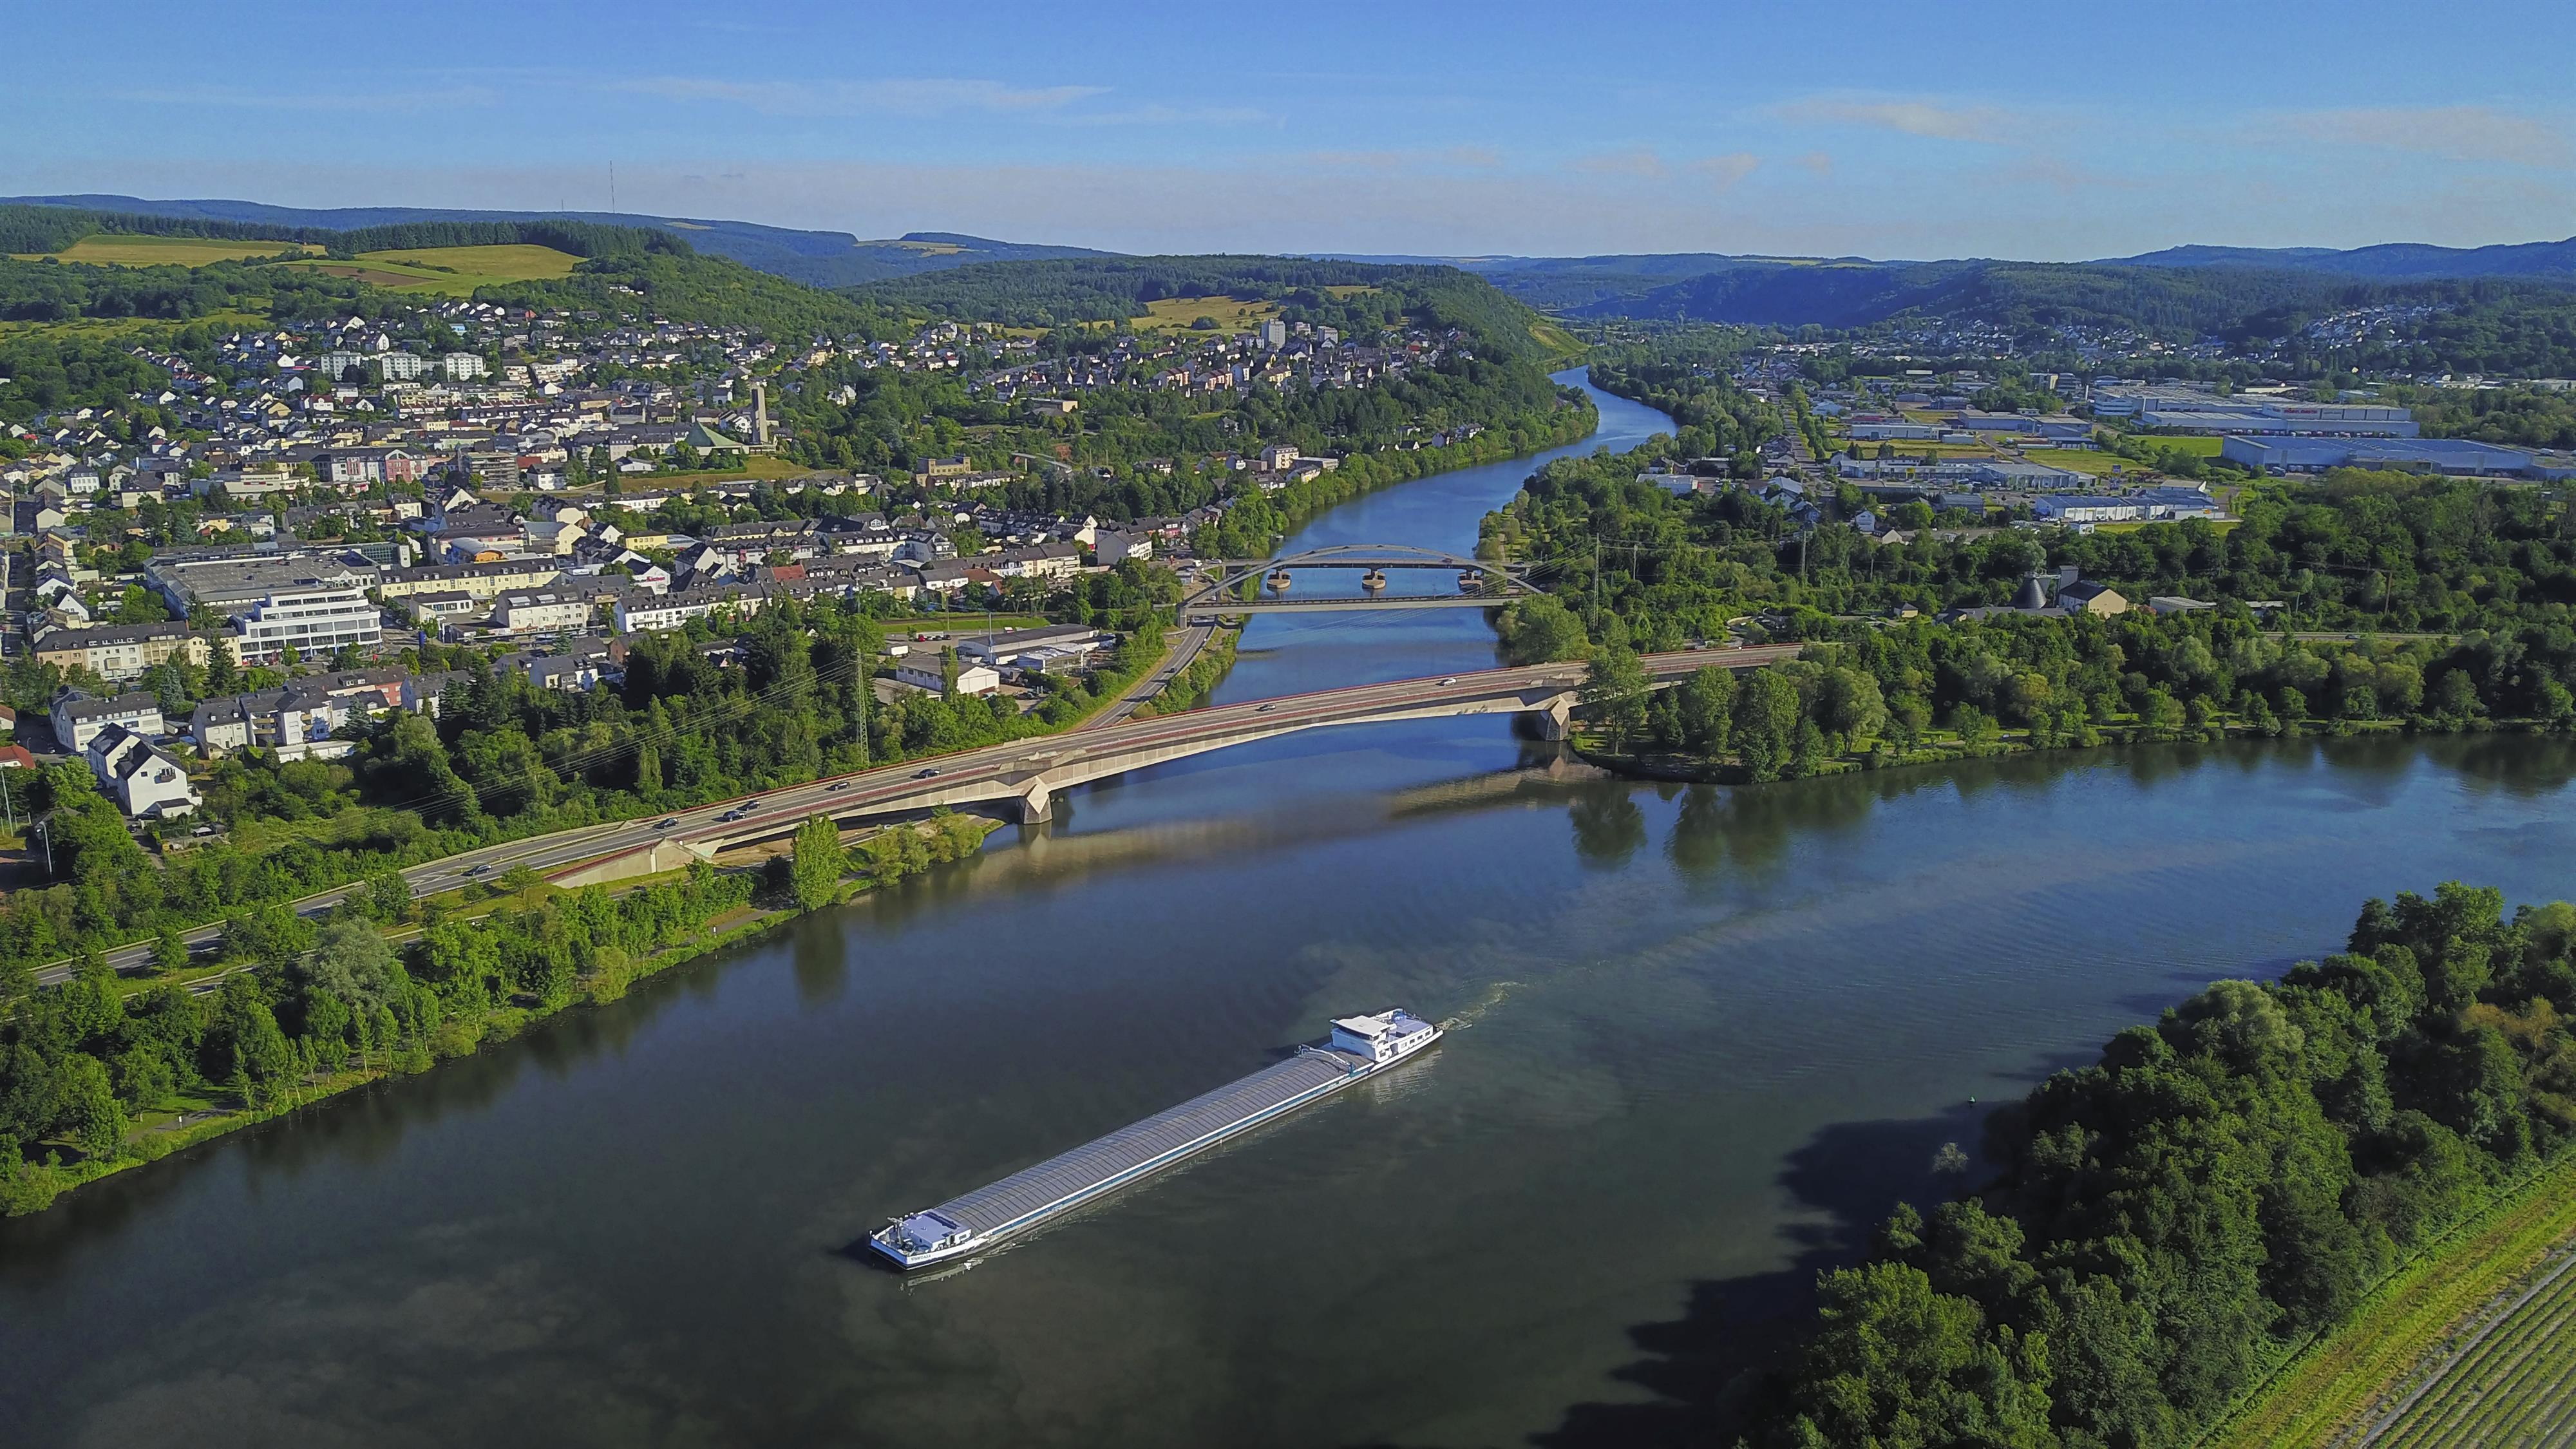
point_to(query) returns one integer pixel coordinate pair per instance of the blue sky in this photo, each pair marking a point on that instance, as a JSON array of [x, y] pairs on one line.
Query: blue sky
[[1918, 130]]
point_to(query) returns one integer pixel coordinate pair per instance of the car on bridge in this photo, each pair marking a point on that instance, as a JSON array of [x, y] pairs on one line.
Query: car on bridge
[[666, 822], [925, 774], [840, 785]]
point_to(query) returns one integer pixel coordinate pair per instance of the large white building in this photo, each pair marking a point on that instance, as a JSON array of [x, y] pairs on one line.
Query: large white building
[[313, 622], [78, 718], [541, 613], [145, 781]]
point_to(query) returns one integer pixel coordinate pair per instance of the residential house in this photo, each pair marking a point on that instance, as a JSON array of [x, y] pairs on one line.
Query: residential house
[[145, 781], [78, 716]]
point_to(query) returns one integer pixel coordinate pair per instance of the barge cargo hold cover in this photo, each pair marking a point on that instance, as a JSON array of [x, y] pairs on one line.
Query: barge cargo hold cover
[[1359, 1046]]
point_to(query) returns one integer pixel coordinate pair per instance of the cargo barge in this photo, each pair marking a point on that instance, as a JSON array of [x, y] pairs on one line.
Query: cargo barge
[[1359, 1046]]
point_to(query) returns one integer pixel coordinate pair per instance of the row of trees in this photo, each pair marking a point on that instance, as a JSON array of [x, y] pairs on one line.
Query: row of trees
[[81, 1062], [1878, 694], [2216, 1186]]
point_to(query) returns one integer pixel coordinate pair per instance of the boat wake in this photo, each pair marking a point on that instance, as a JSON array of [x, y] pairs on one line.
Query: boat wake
[[1495, 995]]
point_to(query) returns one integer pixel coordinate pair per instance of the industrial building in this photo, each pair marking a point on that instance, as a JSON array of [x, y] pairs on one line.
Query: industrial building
[[2428, 455], [2189, 410]]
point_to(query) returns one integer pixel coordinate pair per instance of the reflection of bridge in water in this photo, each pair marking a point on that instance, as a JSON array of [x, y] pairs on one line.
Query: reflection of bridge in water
[[1024, 777], [1484, 583]]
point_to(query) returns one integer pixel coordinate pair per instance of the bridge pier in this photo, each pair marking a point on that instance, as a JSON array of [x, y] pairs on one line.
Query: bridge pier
[[1036, 802], [1555, 719]]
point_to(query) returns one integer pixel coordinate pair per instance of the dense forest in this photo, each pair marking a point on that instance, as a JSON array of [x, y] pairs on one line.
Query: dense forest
[[51, 291], [1353, 296], [2222, 1182], [53, 228], [2352, 550], [684, 286], [2484, 578], [625, 272]]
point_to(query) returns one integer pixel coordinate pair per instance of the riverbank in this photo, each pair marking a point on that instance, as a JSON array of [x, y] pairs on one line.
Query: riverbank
[[1945, 747], [892, 855]]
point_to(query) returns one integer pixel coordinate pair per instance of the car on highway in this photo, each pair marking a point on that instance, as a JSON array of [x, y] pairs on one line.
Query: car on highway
[[925, 774], [1452, 679], [840, 785], [1265, 709], [666, 822], [476, 869], [736, 813]]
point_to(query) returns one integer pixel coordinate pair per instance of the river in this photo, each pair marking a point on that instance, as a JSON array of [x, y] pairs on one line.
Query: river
[[1709, 1037]]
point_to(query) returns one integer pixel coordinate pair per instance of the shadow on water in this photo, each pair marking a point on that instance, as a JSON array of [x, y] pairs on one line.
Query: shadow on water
[[1703, 1367]]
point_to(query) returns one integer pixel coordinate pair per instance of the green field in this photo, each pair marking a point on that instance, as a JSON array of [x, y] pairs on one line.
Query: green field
[[109, 250], [2203, 447], [452, 271], [2513, 1383], [2085, 460], [2337, 1381], [1175, 314]]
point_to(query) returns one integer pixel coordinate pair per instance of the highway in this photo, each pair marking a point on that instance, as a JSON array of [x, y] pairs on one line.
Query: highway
[[1005, 772], [1193, 639]]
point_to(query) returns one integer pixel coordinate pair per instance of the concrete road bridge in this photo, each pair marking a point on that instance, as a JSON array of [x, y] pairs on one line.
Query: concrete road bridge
[[1025, 777], [1021, 778]]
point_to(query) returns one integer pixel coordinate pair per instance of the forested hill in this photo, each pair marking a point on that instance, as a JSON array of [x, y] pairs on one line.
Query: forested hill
[[817, 258], [624, 271], [41, 229], [2393, 261], [1353, 296]]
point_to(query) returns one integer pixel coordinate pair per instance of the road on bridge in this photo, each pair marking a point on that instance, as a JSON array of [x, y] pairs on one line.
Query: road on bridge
[[916, 784]]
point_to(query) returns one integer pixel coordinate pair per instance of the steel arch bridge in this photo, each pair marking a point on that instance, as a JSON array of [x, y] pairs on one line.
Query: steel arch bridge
[[1365, 556]]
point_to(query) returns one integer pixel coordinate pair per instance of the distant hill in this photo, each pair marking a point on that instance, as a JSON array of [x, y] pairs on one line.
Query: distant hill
[[2393, 261], [1853, 291], [817, 258]]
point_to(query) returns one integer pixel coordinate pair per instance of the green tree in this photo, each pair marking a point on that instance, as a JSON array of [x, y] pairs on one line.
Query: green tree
[[89, 1113], [1541, 629], [1615, 689], [1765, 723], [820, 862]]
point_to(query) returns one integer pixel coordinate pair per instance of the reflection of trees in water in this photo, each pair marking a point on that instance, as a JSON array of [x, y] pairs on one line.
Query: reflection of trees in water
[[1608, 826], [2525, 766]]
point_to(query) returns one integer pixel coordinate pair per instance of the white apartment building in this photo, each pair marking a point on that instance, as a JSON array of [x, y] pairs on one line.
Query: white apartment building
[[313, 622], [546, 613]]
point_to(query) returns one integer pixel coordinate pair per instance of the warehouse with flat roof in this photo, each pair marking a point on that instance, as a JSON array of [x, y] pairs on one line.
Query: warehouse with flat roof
[[2415, 455]]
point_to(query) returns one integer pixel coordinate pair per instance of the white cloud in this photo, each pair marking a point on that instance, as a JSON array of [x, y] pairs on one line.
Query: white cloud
[[1725, 170], [903, 97], [1934, 119], [1634, 161], [1819, 162], [267, 98], [2453, 133]]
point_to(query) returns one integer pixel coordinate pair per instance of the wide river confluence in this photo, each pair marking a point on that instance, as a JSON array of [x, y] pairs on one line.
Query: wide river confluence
[[1710, 1035]]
